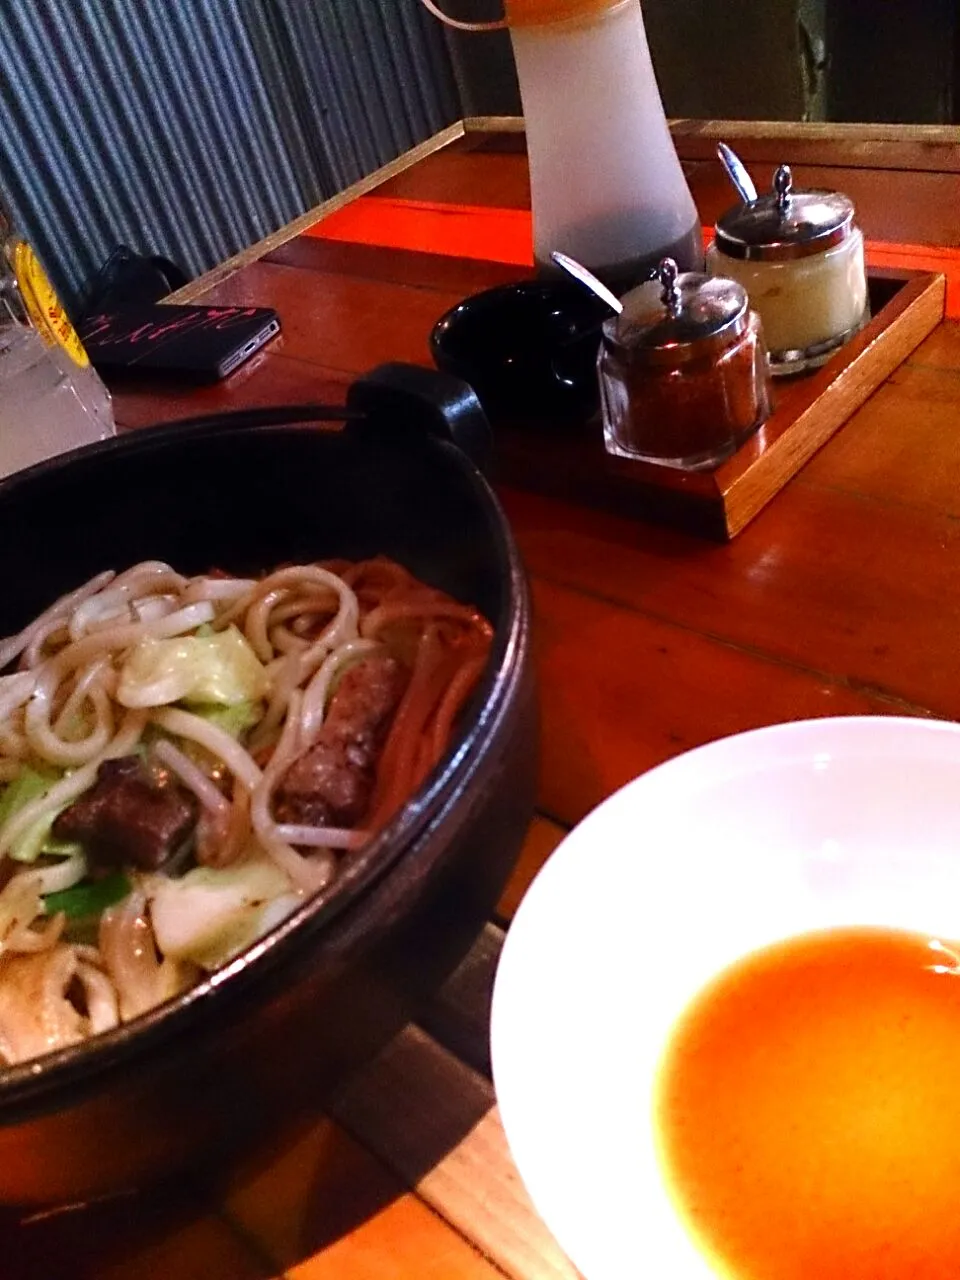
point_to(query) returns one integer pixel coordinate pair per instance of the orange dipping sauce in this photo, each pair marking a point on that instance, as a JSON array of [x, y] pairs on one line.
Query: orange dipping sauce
[[808, 1111]]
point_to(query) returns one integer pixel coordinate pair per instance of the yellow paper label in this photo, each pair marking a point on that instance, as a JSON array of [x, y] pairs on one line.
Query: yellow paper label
[[44, 307]]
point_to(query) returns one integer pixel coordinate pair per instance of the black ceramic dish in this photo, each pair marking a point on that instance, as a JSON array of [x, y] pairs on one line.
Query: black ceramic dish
[[263, 1042], [529, 349]]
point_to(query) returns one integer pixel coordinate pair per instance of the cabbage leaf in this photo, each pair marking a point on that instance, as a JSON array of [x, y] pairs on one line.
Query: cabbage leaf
[[220, 669], [209, 915]]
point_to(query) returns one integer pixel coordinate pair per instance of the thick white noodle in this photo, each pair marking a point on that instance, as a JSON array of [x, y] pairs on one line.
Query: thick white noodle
[[342, 628], [298, 667], [228, 590], [200, 783], [37, 722], [13, 645], [127, 635], [98, 673], [283, 640], [93, 646], [70, 659], [43, 737], [15, 691], [147, 572], [300, 579], [255, 622], [280, 587], [32, 655], [183, 724], [321, 837], [265, 613]]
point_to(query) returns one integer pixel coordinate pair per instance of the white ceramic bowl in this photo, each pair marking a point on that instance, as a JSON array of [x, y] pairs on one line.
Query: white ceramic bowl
[[746, 841]]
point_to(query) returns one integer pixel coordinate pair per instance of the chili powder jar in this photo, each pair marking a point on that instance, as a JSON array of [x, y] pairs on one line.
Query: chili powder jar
[[683, 371]]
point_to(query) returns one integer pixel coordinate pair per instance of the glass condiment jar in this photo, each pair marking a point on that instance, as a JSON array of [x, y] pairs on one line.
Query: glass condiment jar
[[799, 255], [683, 371]]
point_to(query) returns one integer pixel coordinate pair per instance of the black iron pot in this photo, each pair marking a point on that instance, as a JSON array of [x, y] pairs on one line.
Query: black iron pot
[[264, 1041]]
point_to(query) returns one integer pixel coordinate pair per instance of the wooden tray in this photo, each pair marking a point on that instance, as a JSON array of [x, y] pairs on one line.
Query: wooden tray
[[572, 462]]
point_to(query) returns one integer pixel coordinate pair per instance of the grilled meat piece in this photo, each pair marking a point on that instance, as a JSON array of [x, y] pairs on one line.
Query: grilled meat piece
[[332, 782], [128, 817]]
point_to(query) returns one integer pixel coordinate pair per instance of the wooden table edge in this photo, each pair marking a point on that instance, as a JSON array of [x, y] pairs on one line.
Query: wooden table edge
[[906, 147]]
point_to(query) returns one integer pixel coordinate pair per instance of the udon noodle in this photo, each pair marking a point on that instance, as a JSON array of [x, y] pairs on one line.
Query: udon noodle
[[184, 759]]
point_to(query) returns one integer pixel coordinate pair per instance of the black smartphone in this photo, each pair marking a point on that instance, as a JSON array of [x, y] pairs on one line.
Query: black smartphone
[[200, 343]]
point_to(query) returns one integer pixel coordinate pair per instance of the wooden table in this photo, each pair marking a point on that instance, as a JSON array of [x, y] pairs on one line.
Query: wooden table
[[843, 597]]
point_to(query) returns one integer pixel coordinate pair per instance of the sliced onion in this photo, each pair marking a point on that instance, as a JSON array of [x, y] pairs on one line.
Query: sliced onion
[[129, 952], [150, 608], [35, 1014], [105, 606], [183, 620]]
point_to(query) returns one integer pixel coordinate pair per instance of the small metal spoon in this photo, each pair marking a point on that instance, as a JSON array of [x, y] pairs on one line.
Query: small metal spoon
[[579, 272], [736, 171]]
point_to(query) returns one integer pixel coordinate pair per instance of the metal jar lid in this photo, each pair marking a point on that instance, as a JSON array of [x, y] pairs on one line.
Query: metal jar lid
[[677, 317], [787, 224]]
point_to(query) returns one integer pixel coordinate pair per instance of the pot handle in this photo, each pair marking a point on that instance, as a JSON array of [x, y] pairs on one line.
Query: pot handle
[[397, 395]]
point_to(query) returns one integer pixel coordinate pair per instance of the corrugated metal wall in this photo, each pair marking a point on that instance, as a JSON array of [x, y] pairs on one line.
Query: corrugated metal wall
[[192, 128]]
